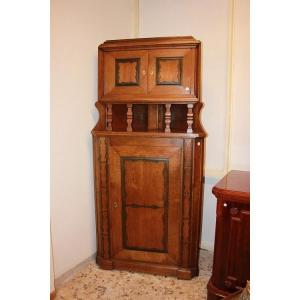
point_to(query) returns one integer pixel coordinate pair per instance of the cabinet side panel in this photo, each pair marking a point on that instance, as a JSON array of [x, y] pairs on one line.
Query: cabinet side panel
[[96, 163], [196, 211], [186, 202], [104, 215]]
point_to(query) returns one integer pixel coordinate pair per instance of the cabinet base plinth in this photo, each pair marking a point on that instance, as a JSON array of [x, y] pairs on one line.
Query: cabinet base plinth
[[143, 267], [213, 293], [104, 264], [187, 273]]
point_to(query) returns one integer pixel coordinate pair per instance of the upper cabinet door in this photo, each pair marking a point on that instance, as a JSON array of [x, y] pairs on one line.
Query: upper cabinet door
[[125, 73], [171, 72]]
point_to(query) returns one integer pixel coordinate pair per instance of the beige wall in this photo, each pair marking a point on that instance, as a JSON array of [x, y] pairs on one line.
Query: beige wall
[[77, 28], [223, 28], [208, 21], [240, 117]]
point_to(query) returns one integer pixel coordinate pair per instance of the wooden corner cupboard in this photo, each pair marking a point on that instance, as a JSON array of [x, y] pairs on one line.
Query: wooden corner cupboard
[[148, 156], [231, 266]]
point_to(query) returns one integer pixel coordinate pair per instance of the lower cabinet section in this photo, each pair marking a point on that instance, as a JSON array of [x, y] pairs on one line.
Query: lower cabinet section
[[148, 204]]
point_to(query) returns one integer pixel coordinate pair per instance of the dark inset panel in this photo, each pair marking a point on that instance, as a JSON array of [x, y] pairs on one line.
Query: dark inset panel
[[140, 117], [169, 70], [127, 71], [145, 229], [179, 117], [145, 186], [119, 121]]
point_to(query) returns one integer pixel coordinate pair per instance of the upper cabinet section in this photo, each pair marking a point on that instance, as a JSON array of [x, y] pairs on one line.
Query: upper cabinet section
[[154, 70]]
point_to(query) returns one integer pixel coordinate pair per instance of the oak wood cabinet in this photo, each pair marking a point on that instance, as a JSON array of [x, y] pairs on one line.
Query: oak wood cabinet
[[148, 156], [231, 266]]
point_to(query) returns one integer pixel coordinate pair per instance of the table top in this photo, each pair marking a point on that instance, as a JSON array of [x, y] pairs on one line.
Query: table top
[[234, 186]]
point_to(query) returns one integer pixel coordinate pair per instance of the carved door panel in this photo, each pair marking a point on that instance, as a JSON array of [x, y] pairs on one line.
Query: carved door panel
[[125, 72], [171, 72], [145, 192], [238, 255]]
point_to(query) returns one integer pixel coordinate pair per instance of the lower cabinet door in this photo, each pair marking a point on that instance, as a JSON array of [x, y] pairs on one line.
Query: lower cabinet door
[[238, 256], [145, 186], [231, 267]]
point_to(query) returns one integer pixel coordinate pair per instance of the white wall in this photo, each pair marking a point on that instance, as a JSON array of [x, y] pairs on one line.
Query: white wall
[[77, 28], [223, 28]]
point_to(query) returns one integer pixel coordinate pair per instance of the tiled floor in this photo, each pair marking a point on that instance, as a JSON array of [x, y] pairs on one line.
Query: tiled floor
[[94, 283]]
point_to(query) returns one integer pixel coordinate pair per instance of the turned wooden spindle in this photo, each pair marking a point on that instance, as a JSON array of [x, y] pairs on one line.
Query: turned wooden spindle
[[168, 118], [108, 116], [129, 117], [190, 118]]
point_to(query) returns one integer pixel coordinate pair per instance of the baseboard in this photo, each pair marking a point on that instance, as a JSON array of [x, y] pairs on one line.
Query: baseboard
[[207, 245], [59, 281]]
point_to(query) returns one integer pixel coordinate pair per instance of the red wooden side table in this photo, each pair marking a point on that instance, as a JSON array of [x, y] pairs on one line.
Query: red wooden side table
[[231, 266]]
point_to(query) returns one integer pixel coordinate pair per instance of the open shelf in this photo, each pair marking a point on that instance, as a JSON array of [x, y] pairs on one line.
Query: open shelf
[[149, 119]]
